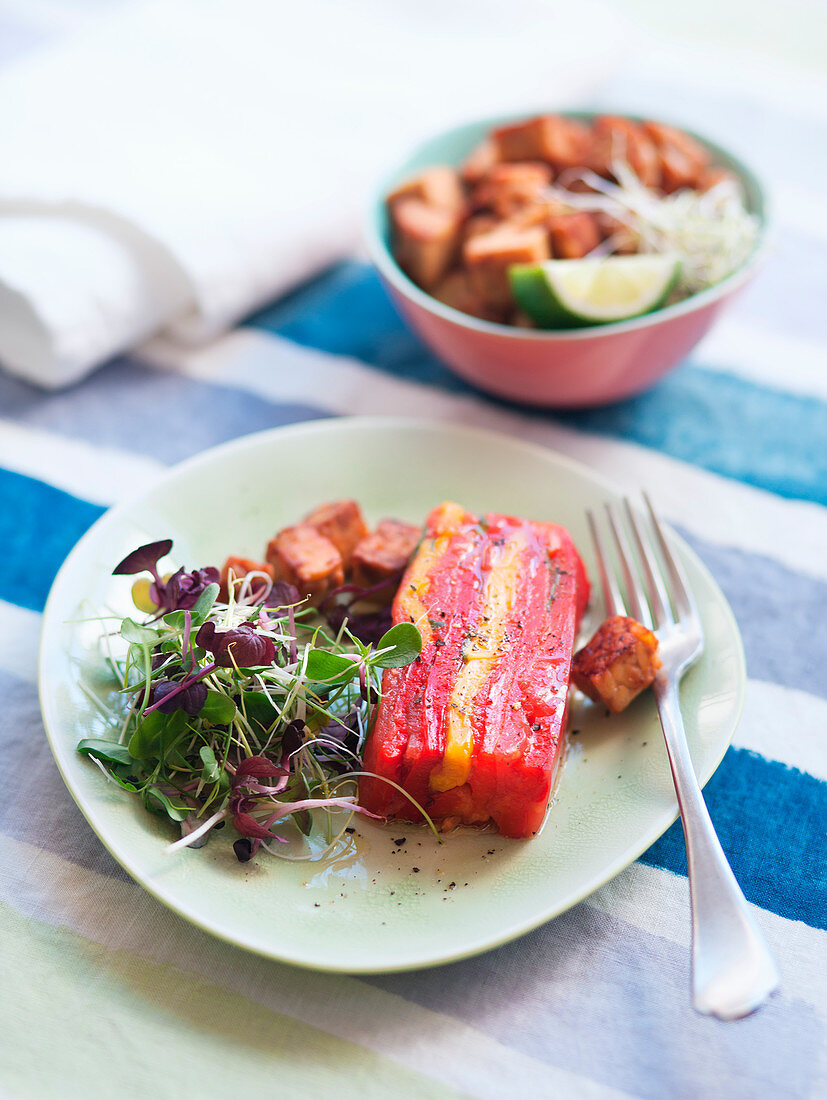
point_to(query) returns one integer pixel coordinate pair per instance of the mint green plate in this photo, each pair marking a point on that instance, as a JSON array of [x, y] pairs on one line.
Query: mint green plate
[[376, 908]]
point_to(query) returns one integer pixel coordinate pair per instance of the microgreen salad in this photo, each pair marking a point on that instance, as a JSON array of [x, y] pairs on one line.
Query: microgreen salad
[[251, 712]]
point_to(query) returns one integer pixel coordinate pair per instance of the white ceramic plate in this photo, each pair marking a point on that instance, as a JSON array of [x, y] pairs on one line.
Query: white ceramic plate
[[371, 910]]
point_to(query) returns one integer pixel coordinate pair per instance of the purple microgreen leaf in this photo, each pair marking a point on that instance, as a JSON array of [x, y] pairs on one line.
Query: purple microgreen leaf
[[242, 646], [256, 767], [247, 825], [143, 560], [180, 688], [189, 587], [282, 594], [292, 738], [168, 696]]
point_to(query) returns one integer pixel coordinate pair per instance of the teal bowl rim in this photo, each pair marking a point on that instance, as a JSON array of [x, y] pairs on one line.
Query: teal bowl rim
[[376, 234]]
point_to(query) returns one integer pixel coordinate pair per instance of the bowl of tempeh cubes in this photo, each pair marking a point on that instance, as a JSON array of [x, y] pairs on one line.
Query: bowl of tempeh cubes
[[565, 260]]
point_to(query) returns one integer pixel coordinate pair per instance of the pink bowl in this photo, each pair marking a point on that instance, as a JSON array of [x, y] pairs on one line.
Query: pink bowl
[[562, 369]]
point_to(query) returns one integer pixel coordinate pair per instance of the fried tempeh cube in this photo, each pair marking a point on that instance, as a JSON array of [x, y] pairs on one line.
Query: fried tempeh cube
[[455, 291], [440, 187], [425, 239], [509, 187], [617, 138], [558, 141], [478, 163], [573, 235], [479, 223], [342, 522], [662, 135], [240, 567], [384, 553], [489, 256], [677, 170], [617, 664], [682, 158], [302, 556]]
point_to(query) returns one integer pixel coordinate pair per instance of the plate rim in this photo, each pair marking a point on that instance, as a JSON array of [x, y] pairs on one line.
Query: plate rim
[[356, 423]]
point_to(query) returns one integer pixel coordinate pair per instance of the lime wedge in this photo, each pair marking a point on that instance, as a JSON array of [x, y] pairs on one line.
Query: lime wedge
[[593, 291]]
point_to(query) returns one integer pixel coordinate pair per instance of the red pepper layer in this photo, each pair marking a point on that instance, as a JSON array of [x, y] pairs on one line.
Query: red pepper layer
[[475, 728]]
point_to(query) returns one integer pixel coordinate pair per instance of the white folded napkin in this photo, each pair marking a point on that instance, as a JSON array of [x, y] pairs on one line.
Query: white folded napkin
[[183, 161]]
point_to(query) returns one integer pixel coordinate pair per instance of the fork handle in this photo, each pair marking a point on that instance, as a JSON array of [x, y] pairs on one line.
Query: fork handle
[[733, 971]]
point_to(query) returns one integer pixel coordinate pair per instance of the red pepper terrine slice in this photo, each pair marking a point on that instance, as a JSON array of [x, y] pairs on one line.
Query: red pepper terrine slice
[[474, 729]]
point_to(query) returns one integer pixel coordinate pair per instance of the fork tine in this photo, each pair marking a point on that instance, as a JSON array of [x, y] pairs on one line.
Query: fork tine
[[655, 591], [681, 595], [633, 599], [611, 592]]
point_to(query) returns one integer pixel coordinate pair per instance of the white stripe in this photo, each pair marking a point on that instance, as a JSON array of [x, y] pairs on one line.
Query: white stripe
[[121, 916], [737, 73], [657, 902], [720, 510], [102, 475], [19, 637], [766, 357], [800, 208], [786, 725]]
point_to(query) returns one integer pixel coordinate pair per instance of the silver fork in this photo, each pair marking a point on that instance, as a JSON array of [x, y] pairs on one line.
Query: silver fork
[[733, 971]]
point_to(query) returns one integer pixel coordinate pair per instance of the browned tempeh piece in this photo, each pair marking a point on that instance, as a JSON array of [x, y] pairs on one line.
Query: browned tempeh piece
[[573, 235], [489, 256], [440, 187], [384, 553], [509, 187], [426, 239], [342, 522], [302, 556], [617, 664]]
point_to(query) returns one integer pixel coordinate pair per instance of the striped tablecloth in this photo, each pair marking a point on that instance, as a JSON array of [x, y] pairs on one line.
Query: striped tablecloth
[[105, 993]]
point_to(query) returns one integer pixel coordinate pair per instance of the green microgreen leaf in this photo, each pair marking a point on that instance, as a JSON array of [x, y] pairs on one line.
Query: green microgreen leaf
[[140, 635], [174, 726], [160, 802], [203, 605], [210, 772], [260, 709], [146, 740], [406, 643], [110, 751], [123, 777], [329, 667], [218, 709]]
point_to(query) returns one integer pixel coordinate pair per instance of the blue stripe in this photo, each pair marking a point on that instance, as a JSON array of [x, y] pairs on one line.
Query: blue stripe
[[770, 820], [39, 525], [767, 438], [131, 406]]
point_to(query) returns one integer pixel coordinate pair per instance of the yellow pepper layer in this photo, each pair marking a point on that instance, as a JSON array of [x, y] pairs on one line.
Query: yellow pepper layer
[[479, 656], [410, 601]]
